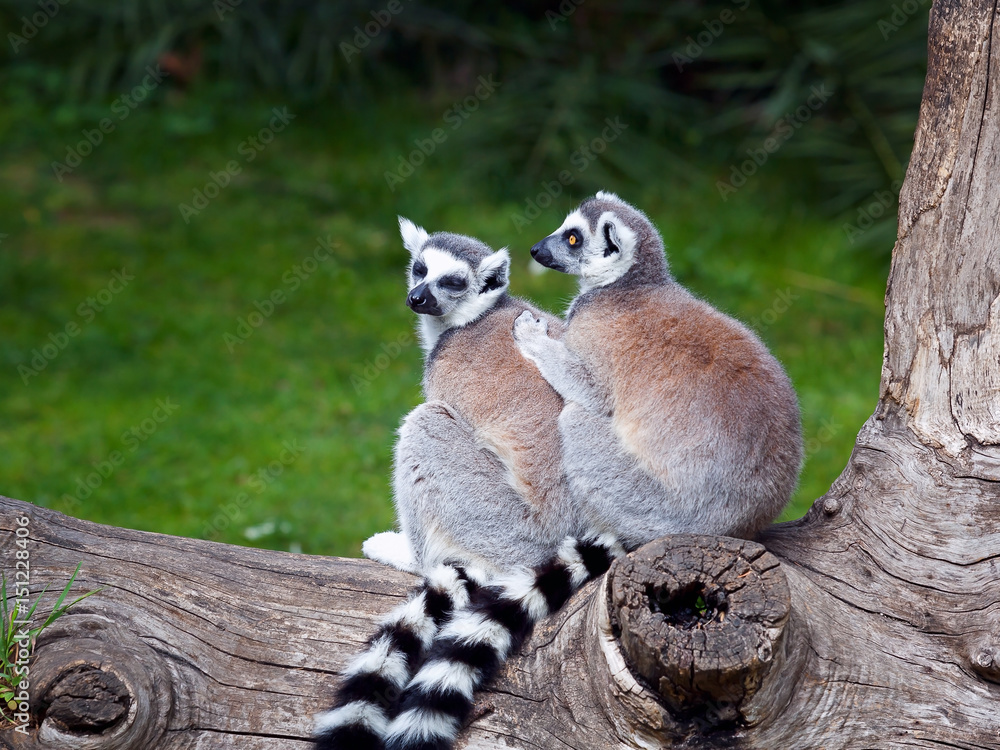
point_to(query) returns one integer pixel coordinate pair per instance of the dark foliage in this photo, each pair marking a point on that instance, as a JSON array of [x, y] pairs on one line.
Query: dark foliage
[[835, 85]]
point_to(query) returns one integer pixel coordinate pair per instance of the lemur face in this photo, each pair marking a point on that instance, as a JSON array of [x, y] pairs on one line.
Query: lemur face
[[594, 242], [451, 276]]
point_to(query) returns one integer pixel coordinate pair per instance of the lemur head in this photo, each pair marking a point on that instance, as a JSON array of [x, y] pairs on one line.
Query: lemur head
[[605, 240], [452, 277]]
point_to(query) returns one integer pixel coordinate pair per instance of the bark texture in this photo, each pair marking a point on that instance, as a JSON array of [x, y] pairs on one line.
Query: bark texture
[[190, 644], [874, 622]]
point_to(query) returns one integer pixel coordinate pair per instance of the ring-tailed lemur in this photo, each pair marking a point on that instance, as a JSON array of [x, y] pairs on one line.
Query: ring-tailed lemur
[[478, 481], [677, 419]]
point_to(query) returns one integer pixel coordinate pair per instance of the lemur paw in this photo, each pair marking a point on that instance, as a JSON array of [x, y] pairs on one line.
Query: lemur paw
[[530, 333]]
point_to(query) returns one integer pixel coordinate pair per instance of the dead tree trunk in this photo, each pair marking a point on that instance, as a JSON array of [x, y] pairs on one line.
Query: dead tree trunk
[[874, 622]]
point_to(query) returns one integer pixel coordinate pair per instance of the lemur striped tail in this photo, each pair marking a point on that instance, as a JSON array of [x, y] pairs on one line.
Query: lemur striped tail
[[474, 644], [373, 682]]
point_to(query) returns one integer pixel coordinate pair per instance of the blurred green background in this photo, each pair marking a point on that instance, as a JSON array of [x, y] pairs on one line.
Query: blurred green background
[[202, 328]]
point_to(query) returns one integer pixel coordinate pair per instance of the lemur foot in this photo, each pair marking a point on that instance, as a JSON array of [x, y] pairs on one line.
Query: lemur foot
[[391, 548]]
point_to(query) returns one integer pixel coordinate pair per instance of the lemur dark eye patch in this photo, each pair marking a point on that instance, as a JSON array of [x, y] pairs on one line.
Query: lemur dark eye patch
[[419, 270], [453, 283]]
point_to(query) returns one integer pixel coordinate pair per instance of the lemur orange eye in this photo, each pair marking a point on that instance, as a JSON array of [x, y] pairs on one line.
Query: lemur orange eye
[[572, 239]]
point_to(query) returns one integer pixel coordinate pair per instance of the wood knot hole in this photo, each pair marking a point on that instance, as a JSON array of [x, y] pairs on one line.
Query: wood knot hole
[[985, 662], [87, 700], [690, 606]]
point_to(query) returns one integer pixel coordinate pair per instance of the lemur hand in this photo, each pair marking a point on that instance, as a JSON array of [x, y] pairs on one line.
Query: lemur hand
[[531, 335]]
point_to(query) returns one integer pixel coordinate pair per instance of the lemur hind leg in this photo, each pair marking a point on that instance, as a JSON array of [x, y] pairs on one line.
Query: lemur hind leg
[[455, 502]]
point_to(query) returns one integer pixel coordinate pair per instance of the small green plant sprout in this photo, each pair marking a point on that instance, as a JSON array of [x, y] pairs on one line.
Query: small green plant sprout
[[17, 640]]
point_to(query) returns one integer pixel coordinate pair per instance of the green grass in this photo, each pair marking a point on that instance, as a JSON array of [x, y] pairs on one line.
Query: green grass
[[17, 640], [197, 470]]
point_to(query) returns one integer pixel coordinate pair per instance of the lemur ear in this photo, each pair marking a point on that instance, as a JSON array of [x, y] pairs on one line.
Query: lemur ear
[[493, 271], [413, 236], [612, 243], [606, 196]]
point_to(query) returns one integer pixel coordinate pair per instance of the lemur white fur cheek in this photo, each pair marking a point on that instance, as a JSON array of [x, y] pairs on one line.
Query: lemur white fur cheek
[[598, 269], [472, 307]]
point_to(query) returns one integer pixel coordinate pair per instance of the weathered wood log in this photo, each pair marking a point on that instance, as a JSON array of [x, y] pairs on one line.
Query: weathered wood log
[[189, 643], [874, 622], [196, 644]]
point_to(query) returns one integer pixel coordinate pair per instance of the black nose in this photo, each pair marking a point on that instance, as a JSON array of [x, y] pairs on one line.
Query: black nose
[[541, 253], [421, 300]]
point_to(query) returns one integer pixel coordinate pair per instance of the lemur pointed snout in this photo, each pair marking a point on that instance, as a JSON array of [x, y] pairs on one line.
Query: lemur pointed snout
[[422, 300], [543, 255]]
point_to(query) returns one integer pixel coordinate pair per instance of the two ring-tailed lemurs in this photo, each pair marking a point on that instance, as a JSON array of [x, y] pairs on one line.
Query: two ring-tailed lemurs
[[478, 481], [676, 419]]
